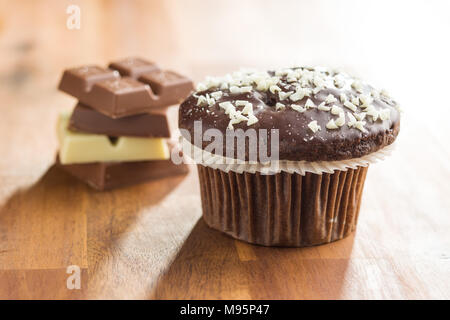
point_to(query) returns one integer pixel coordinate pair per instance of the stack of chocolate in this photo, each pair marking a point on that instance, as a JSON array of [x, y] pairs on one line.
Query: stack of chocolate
[[118, 132]]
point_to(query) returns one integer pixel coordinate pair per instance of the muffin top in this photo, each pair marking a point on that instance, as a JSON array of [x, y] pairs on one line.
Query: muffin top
[[320, 114]]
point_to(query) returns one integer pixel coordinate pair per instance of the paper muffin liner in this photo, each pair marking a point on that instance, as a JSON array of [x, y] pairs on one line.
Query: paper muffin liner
[[282, 203], [198, 156], [283, 209]]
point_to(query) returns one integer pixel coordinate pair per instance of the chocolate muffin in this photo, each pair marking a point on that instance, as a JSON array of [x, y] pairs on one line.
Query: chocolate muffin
[[316, 118]]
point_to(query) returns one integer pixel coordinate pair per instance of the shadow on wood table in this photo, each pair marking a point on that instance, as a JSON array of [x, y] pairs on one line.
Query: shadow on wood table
[[211, 265], [58, 222]]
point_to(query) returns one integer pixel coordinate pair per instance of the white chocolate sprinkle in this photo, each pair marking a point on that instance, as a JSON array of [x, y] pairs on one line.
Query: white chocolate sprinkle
[[357, 85], [227, 106], [262, 85], [360, 116], [235, 89], [248, 109], [283, 95], [356, 123], [251, 119], [279, 106], [201, 100], [309, 104], [316, 90], [331, 125], [360, 126], [323, 107], [355, 101], [274, 88], [314, 126], [217, 95], [350, 105], [352, 119], [282, 72], [300, 93], [339, 82], [365, 99], [319, 82], [298, 108], [341, 120], [336, 110], [246, 89], [330, 99], [371, 111], [209, 100], [201, 87], [236, 117]]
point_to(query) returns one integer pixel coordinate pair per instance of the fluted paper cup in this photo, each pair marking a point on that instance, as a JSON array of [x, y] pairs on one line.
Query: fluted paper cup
[[284, 209]]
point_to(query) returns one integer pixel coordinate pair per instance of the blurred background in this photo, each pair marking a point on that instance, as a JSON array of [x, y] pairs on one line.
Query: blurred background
[[402, 46], [398, 45], [368, 37]]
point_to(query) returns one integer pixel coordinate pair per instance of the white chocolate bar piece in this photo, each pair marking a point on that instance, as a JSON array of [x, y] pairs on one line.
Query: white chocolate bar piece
[[77, 147]]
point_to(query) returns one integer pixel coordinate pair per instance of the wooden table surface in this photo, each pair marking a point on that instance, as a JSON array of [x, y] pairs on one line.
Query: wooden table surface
[[148, 241]]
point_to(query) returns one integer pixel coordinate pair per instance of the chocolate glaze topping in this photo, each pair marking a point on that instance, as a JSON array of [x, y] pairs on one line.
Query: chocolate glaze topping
[[369, 120]]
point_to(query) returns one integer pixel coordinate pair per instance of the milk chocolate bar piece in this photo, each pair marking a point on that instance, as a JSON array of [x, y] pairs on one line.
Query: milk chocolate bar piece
[[110, 175], [153, 124], [133, 67], [77, 147], [129, 87]]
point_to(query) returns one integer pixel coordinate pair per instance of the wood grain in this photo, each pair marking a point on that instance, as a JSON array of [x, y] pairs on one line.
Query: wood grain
[[148, 241]]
